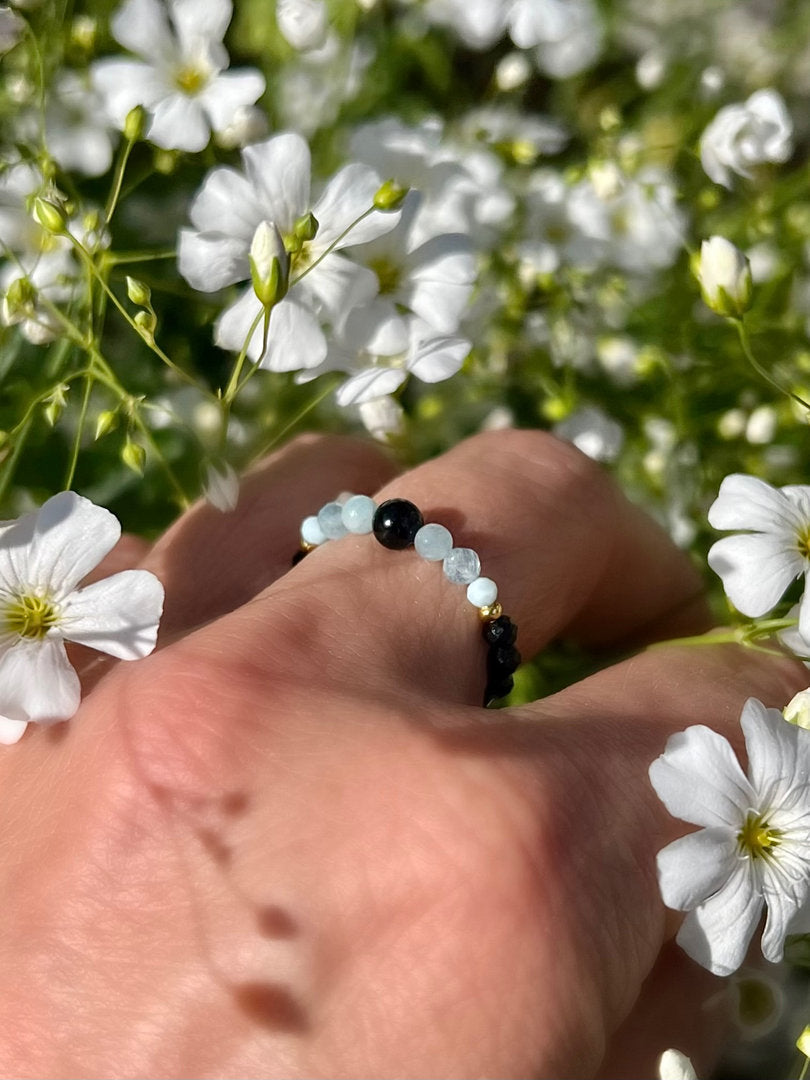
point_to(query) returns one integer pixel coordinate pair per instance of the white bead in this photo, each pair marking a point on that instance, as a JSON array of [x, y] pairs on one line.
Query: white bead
[[461, 566], [311, 532], [433, 542], [330, 519], [358, 513], [482, 592]]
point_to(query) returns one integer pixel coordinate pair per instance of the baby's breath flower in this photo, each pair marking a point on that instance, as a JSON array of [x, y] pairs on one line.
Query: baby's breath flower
[[724, 274], [43, 558], [753, 850]]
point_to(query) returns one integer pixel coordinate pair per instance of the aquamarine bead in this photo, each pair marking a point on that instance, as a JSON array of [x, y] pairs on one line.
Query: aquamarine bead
[[433, 542], [330, 519], [461, 566], [358, 514], [311, 532], [482, 592]]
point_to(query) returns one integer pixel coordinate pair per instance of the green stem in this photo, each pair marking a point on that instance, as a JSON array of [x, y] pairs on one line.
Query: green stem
[[333, 245], [742, 332], [11, 464], [120, 258], [118, 179], [233, 383], [299, 416], [74, 456]]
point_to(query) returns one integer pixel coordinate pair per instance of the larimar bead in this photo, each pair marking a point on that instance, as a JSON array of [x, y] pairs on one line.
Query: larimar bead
[[433, 542], [311, 531], [358, 514], [461, 566], [330, 519], [396, 523], [482, 592]]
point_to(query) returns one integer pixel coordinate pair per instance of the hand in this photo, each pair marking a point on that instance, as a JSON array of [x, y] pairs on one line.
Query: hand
[[291, 843]]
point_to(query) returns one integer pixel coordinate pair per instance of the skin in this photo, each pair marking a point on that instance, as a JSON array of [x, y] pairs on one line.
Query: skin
[[291, 843]]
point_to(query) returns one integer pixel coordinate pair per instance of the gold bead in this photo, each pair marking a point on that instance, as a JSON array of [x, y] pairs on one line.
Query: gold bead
[[490, 612], [306, 546]]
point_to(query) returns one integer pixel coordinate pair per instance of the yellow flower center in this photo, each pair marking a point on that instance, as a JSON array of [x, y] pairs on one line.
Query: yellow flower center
[[31, 616], [190, 79], [756, 838], [803, 541], [388, 275]]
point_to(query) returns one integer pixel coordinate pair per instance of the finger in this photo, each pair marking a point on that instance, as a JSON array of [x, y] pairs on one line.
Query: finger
[[568, 551], [210, 562]]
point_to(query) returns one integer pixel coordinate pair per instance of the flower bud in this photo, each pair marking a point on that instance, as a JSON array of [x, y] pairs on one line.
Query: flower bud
[[146, 321], [269, 264], [306, 227], [50, 216], [133, 456], [390, 196], [55, 404], [803, 1041], [138, 292], [724, 274], [106, 420], [797, 710], [19, 301], [135, 123], [304, 23]]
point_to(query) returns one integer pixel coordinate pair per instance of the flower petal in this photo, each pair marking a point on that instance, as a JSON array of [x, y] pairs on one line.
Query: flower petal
[[337, 286], [118, 615], [178, 123], [717, 933], [123, 84], [699, 779], [746, 502], [57, 546], [227, 205], [782, 909], [228, 93], [438, 358], [142, 27], [369, 384], [37, 682], [210, 262], [755, 569], [348, 195], [694, 867], [11, 731], [295, 340], [194, 21], [773, 752], [279, 170]]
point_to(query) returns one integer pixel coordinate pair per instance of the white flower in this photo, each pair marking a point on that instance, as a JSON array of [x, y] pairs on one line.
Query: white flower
[[745, 135], [12, 27], [304, 23], [753, 849], [380, 348], [181, 77], [758, 565], [797, 710], [221, 487], [673, 1065], [43, 558], [724, 274], [275, 187], [593, 432]]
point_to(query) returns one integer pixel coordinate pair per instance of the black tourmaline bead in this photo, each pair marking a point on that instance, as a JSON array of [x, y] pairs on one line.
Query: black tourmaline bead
[[396, 523], [499, 689], [502, 660], [500, 631], [298, 556]]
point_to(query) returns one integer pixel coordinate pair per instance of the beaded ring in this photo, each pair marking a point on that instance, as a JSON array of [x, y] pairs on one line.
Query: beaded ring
[[398, 524]]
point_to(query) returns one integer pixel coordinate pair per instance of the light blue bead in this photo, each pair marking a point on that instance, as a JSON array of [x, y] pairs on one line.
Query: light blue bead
[[461, 566], [358, 514], [482, 592], [311, 532], [330, 519], [433, 542]]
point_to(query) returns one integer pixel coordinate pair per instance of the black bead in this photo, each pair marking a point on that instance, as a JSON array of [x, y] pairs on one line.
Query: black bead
[[498, 689], [502, 660], [298, 556], [396, 523], [500, 631]]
